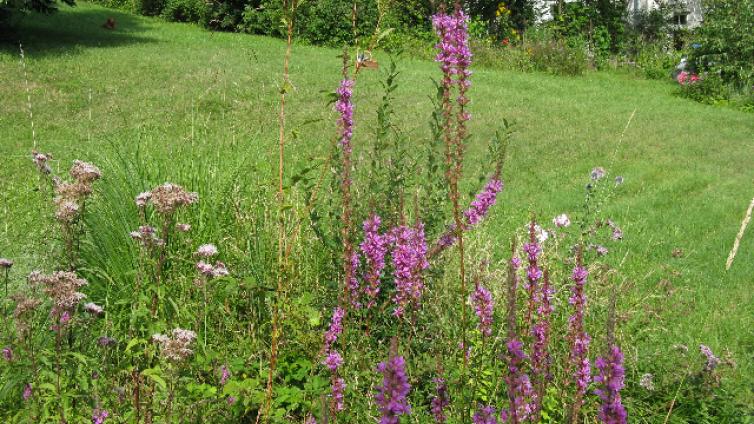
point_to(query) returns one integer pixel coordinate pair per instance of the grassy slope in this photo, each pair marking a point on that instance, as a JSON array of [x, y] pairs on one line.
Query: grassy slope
[[183, 93]]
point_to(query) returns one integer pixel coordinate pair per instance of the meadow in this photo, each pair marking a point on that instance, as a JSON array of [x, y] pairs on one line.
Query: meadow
[[153, 102]]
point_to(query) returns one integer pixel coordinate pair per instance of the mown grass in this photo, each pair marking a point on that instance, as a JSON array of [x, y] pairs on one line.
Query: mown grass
[[154, 101]]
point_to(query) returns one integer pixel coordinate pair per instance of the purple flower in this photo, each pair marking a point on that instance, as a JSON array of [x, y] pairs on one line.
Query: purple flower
[[440, 401], [310, 419], [540, 360], [354, 289], [336, 327], [520, 392], [610, 380], [409, 260], [483, 307], [391, 396], [27, 392], [344, 106], [485, 415], [580, 339], [8, 354], [483, 201], [183, 228], [712, 360], [601, 250], [231, 400], [333, 360], [453, 51], [374, 248], [99, 416], [338, 390], [225, 375]]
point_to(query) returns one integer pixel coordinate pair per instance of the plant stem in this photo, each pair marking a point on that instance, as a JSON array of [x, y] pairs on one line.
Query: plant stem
[[289, 8]]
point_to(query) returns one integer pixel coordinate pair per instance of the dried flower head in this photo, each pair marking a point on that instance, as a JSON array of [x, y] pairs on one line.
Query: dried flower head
[[169, 197], [598, 173], [68, 211], [176, 348], [106, 341], [647, 382], [93, 308], [62, 287], [207, 250], [40, 160], [183, 228], [5, 263], [143, 198], [85, 172]]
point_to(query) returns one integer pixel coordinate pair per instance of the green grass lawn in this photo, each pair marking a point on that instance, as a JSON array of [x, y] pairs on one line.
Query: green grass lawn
[[175, 93]]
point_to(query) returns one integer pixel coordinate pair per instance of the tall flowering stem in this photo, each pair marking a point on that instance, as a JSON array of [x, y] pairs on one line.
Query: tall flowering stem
[[579, 364], [392, 394], [290, 7], [533, 273], [344, 106], [454, 56], [541, 335]]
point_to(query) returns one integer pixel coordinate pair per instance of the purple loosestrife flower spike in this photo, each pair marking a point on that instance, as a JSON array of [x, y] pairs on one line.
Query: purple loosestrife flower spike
[[520, 392], [374, 248], [354, 288], [712, 360], [28, 392], [8, 354], [99, 416], [541, 335], [336, 327], [440, 401], [485, 415], [225, 375], [476, 212], [409, 257], [610, 379], [333, 360], [579, 362], [391, 396], [344, 107], [533, 273], [483, 202], [483, 307], [338, 390]]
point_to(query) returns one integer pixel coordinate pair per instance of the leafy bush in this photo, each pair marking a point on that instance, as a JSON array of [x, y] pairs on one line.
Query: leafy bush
[[726, 41], [656, 62], [185, 10]]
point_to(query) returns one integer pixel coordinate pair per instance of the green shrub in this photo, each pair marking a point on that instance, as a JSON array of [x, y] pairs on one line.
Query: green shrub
[[655, 62], [185, 11], [558, 57], [726, 41]]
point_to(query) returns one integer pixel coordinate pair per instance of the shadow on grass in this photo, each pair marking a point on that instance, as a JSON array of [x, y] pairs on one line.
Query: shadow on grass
[[71, 30]]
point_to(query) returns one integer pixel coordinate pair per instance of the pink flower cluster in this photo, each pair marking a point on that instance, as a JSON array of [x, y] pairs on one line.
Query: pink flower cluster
[[409, 260]]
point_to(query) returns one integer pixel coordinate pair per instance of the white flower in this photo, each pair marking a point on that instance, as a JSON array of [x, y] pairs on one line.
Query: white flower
[[561, 221]]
